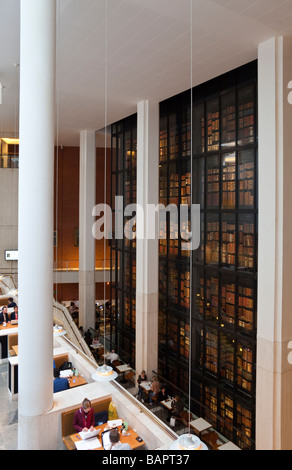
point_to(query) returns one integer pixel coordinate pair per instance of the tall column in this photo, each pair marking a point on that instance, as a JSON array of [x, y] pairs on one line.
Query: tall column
[[87, 200], [35, 239], [274, 328], [147, 248]]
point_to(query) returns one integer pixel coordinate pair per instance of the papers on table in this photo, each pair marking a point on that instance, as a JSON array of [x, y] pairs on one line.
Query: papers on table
[[88, 444], [113, 423], [66, 373], [89, 434]]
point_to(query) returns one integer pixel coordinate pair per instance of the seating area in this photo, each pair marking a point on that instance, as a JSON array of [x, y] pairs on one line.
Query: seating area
[[67, 420]]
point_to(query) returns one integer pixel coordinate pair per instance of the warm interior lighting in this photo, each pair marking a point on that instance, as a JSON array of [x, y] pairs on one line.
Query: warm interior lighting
[[188, 442], [10, 141], [104, 373]]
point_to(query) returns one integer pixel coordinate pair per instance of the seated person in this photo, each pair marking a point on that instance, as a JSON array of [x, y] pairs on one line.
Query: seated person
[[60, 383], [116, 443], [162, 395], [11, 303], [4, 315], [84, 417], [14, 315], [142, 378], [177, 407], [111, 357], [96, 340], [155, 387]]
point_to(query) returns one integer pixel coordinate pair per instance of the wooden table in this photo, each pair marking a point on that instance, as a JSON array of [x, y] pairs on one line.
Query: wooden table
[[76, 381], [131, 439], [123, 368], [228, 446], [199, 425], [167, 403], [15, 349], [8, 326]]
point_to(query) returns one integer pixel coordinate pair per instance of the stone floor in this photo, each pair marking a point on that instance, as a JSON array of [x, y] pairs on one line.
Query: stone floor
[[8, 414]]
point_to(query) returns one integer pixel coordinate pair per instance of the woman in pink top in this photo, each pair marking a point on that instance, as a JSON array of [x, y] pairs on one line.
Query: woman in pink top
[[84, 417]]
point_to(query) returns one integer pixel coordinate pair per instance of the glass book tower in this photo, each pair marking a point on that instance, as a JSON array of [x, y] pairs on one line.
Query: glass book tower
[[224, 267]]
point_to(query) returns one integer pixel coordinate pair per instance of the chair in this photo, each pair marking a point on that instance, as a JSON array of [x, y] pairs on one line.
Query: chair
[[186, 417], [129, 377], [210, 438]]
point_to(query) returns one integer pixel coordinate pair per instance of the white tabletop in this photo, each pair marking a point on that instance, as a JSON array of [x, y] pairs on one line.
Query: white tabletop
[[96, 346], [200, 424], [146, 385], [228, 446], [167, 403], [123, 368]]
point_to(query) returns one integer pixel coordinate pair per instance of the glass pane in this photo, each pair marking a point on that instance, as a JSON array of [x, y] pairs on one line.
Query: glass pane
[[173, 137], [246, 241], [185, 288], [212, 298], [246, 116], [245, 313], [228, 120], [213, 125], [163, 140], [186, 133], [244, 360], [226, 412], [198, 254], [246, 179], [172, 331], [212, 242], [128, 149], [213, 175], [227, 301], [134, 147], [228, 181], [199, 294], [244, 425], [120, 152], [198, 182], [211, 353], [163, 184], [226, 357], [199, 129], [185, 182], [228, 240], [172, 284], [114, 153], [173, 184]]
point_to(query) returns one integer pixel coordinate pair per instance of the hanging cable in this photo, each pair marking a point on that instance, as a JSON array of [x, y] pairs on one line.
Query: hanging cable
[[57, 154], [105, 185], [191, 202]]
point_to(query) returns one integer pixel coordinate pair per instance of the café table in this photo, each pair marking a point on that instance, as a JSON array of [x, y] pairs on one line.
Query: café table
[[123, 368], [167, 403], [228, 446], [130, 439], [199, 425], [76, 381]]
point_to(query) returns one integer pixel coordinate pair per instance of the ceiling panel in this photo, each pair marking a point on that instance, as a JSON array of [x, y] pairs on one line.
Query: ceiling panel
[[148, 46]]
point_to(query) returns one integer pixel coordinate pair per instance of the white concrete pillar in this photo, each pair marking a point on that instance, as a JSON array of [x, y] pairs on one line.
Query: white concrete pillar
[[36, 196], [274, 326], [147, 249], [87, 200]]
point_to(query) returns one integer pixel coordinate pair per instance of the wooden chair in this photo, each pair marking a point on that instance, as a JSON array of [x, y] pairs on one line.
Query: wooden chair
[[210, 438], [129, 377], [115, 364]]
